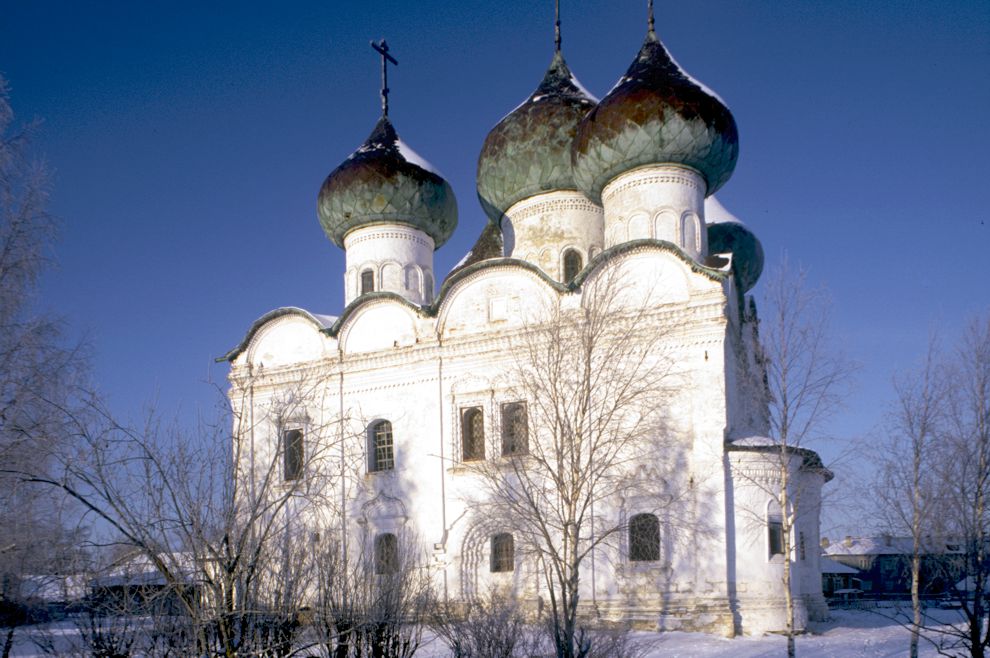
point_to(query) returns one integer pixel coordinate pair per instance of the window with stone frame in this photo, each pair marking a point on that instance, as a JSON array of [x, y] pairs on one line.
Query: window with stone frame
[[644, 538], [381, 449], [292, 454], [367, 281], [386, 554], [775, 530], [515, 429], [503, 557], [572, 264], [472, 434]]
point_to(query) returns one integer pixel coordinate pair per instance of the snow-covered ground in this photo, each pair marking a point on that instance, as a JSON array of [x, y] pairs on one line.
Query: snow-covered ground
[[847, 634]]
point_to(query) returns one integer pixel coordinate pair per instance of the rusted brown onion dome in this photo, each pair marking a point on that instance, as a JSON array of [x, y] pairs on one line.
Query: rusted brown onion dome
[[385, 182], [529, 151], [655, 114]]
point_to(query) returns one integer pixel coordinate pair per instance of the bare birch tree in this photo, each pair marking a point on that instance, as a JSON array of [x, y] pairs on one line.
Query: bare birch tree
[[595, 381], [965, 471], [908, 481], [806, 375]]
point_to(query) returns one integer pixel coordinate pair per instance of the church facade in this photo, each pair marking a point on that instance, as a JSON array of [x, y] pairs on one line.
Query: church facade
[[405, 412]]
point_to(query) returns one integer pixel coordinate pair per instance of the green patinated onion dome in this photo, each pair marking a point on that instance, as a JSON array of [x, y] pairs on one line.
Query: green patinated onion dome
[[655, 114], [529, 151], [386, 182], [727, 234]]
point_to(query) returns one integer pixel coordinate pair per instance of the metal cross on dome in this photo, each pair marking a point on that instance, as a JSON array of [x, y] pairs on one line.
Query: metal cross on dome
[[382, 49]]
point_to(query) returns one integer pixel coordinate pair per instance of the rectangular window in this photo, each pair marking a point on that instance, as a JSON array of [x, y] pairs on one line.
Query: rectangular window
[[382, 449], [515, 429], [775, 535], [503, 553], [472, 434], [367, 281], [386, 554], [292, 447]]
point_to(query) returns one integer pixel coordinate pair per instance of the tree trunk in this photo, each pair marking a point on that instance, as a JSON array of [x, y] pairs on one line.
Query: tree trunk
[[8, 641], [915, 600], [787, 526]]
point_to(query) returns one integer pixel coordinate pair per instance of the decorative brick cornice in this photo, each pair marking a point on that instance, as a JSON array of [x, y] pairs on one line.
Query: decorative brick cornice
[[390, 233], [556, 202], [653, 175]]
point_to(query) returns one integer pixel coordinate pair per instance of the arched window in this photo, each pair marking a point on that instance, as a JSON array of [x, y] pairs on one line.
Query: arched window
[[644, 538], [472, 434], [775, 529], [386, 554], [572, 264], [689, 232], [381, 451], [292, 457], [503, 553], [427, 287], [367, 281], [515, 431]]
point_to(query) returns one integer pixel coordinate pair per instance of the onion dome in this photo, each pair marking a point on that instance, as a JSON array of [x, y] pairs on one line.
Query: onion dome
[[529, 151], [655, 114], [386, 182], [727, 234]]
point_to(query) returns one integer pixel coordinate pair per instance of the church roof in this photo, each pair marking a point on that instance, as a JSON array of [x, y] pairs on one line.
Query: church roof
[[322, 322], [488, 255], [386, 182], [655, 114], [889, 545], [529, 151], [488, 245]]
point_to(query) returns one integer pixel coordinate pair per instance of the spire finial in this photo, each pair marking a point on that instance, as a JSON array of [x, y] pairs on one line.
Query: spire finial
[[382, 49], [649, 16], [556, 27]]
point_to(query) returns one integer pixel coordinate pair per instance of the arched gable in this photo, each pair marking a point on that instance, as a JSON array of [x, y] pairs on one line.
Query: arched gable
[[495, 298], [377, 324], [284, 336], [648, 273]]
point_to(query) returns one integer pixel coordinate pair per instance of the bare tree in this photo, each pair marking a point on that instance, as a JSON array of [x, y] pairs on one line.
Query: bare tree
[[965, 472], [370, 604], [37, 369], [492, 625], [220, 520], [908, 483], [806, 376], [596, 379]]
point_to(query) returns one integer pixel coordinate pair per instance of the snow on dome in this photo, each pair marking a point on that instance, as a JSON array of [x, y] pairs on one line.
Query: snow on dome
[[727, 234], [715, 212], [415, 158]]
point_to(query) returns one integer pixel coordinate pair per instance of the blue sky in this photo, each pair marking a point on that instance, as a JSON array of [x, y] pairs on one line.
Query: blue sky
[[188, 142]]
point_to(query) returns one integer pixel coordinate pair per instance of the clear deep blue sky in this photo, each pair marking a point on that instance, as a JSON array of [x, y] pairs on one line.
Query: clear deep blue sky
[[189, 140]]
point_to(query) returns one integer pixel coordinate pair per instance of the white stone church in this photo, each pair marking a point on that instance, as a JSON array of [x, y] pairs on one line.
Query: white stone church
[[396, 407]]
